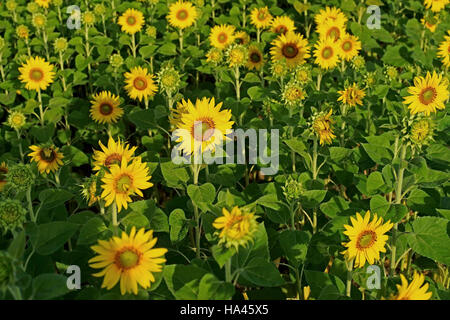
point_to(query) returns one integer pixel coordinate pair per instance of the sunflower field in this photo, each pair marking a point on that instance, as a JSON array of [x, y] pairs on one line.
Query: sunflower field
[[224, 150]]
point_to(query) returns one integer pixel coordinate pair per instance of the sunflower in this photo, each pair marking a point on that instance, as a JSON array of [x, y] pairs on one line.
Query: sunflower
[[222, 36], [422, 131], [428, 94], [291, 47], [322, 126], [444, 50], [416, 290], [48, 158], [255, 58], [36, 73], [115, 153], [182, 14], [236, 227], [177, 112], [3, 172], [131, 21], [367, 239], [43, 3], [352, 95], [430, 24], [331, 29], [293, 94], [123, 181], [261, 17], [202, 126], [241, 37], [283, 25], [349, 47], [140, 83], [327, 53], [131, 258], [105, 107], [330, 14], [435, 5]]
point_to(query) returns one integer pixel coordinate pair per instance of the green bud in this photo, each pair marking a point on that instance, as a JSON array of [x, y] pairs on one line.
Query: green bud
[[12, 214]]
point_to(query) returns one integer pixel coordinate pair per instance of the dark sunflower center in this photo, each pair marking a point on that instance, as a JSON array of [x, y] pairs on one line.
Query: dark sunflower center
[[127, 258], [255, 57], [106, 109], [222, 37], [327, 52], [281, 29], [427, 95], [366, 239], [140, 83], [47, 154], [290, 50], [36, 74], [114, 158], [124, 183], [182, 14], [203, 129], [347, 46], [131, 21]]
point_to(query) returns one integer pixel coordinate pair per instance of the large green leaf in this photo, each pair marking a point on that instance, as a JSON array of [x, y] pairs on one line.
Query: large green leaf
[[50, 237]]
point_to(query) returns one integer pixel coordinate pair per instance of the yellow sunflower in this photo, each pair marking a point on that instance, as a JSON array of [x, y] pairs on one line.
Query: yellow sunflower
[[323, 127], [352, 95], [241, 37], [331, 29], [43, 3], [282, 25], [131, 21], [430, 24], [435, 5], [255, 58], [202, 126], [36, 73], [130, 259], [48, 158], [367, 239], [291, 47], [116, 153], [182, 14], [222, 36], [428, 94], [3, 172], [261, 17], [327, 53], [124, 181], [140, 84], [444, 50], [105, 107], [237, 227], [416, 290], [330, 14], [350, 46]]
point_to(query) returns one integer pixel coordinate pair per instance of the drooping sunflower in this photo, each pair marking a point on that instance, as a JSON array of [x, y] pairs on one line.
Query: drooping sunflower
[[350, 46], [105, 107], [430, 23], [323, 127], [283, 25], [236, 228], [330, 14], [242, 37], [428, 94], [131, 21], [291, 47], [331, 29], [36, 73], [367, 239], [261, 17], [130, 259], [327, 53], [352, 95], [124, 181], [182, 14], [222, 36], [202, 126], [140, 84], [435, 5], [255, 58], [43, 3], [48, 158], [115, 153], [444, 50], [3, 172], [416, 290], [422, 131]]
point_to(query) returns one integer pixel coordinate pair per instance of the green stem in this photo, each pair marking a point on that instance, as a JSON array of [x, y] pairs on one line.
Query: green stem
[[348, 290], [196, 170], [41, 109], [228, 277], [314, 160], [30, 205]]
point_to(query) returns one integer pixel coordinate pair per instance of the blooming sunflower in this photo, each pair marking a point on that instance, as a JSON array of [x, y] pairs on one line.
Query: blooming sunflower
[[241, 37], [435, 5], [222, 36], [115, 153], [237, 55], [3, 172], [105, 107], [202, 126], [349, 47], [182, 14], [131, 21], [236, 227], [43, 3], [367, 239], [140, 84], [330, 14], [322, 126], [428, 94], [444, 50], [282, 25], [416, 290], [261, 17], [327, 53], [331, 29], [352, 95], [255, 58], [291, 47], [123, 181], [48, 158], [132, 259], [293, 94], [36, 73]]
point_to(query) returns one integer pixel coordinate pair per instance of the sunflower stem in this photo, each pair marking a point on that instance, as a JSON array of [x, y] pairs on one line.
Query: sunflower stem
[[348, 290], [228, 277], [133, 45], [30, 205], [195, 171], [41, 110], [115, 222], [314, 160], [319, 80]]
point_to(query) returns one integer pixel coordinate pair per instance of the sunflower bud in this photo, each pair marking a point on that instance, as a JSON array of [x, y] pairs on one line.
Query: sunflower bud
[[422, 131], [60, 44], [6, 270], [16, 120], [151, 31], [293, 94], [358, 63], [11, 5], [292, 189], [32, 7], [279, 69], [237, 56], [116, 61], [88, 18], [100, 9], [57, 3], [214, 56], [169, 80], [20, 177], [12, 214], [39, 20], [302, 74], [89, 190], [22, 31]]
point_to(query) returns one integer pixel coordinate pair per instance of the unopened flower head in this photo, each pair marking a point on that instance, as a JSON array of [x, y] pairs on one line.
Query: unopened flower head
[[88, 18], [100, 9], [293, 94], [12, 214], [6, 270], [169, 79], [116, 60], [391, 73], [39, 20], [292, 189], [214, 56], [279, 69], [32, 7], [11, 5], [358, 62], [22, 31], [151, 31], [302, 74], [16, 120], [422, 131], [89, 190], [60, 44], [20, 177]]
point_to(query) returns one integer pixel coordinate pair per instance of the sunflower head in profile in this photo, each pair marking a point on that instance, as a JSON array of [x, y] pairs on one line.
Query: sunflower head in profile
[[435, 5], [222, 36], [140, 84], [327, 53], [47, 157], [416, 290], [105, 108], [331, 29], [89, 190], [282, 25], [367, 239], [330, 14], [114, 153], [124, 181], [3, 172], [236, 228], [428, 94], [255, 58], [131, 21], [349, 47], [261, 17], [214, 56], [291, 47], [352, 96], [131, 259], [43, 3], [202, 126], [182, 14], [36, 73], [241, 37], [444, 50], [322, 126], [430, 22]]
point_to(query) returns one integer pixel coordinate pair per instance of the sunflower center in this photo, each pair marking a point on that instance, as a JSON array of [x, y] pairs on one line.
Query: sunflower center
[[427, 95], [327, 52], [255, 57], [334, 33], [114, 158], [347, 46], [36, 74], [140, 83], [131, 21], [222, 37], [262, 16], [366, 239], [182, 14], [17, 120], [124, 183], [203, 129], [106, 109], [127, 258], [290, 50], [47, 154], [281, 29]]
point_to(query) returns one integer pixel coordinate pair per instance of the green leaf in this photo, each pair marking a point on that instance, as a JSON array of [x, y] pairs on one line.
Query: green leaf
[[319, 280], [135, 219], [52, 236], [92, 231], [251, 78], [168, 49], [222, 254], [396, 56], [52, 198], [337, 154], [377, 153], [178, 225], [175, 175], [76, 156], [49, 286], [295, 245], [143, 119], [211, 288], [262, 273], [255, 93], [183, 281], [333, 207], [312, 198], [374, 182], [17, 246], [159, 221], [202, 195]]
